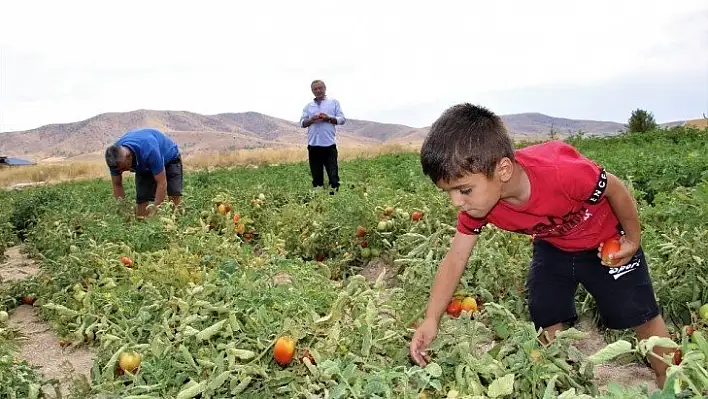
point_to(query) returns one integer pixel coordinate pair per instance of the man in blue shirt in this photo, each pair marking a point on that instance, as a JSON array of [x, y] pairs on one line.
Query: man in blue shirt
[[320, 117], [155, 159]]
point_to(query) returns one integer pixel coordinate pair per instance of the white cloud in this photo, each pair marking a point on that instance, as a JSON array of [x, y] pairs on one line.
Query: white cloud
[[69, 60]]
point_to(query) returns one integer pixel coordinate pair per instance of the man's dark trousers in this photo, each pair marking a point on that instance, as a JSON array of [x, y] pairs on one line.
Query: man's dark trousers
[[324, 158]]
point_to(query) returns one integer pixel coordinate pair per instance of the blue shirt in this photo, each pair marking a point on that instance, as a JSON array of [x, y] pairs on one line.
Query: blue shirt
[[321, 133], [151, 150]]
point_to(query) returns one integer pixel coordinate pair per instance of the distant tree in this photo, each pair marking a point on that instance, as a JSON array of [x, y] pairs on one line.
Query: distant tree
[[641, 121], [553, 133]]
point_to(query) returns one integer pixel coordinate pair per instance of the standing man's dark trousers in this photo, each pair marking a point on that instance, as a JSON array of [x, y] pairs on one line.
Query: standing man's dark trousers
[[324, 158]]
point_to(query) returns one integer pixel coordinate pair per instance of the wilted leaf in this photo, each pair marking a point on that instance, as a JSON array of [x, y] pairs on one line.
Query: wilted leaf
[[243, 354], [571, 333], [647, 345], [501, 386], [550, 392], [610, 352], [434, 370]]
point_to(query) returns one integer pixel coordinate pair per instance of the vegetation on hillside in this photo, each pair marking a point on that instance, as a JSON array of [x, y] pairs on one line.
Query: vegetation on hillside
[[641, 121]]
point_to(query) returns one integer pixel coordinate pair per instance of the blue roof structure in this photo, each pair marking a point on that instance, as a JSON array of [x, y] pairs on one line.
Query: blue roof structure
[[15, 161]]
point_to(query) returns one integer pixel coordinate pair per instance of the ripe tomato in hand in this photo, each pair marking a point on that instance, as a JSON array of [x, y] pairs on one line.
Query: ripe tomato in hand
[[610, 246]]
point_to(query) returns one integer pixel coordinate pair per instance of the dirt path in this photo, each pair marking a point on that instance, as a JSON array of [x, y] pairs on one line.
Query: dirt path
[[39, 345], [17, 266]]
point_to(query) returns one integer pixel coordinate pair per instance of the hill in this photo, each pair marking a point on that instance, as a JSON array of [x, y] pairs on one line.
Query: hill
[[539, 124], [197, 133]]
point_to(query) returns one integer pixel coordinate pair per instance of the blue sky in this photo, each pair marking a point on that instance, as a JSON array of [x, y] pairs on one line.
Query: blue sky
[[393, 61]]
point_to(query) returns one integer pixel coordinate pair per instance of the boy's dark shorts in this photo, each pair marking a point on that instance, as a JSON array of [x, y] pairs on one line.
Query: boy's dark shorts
[[624, 295], [145, 184]]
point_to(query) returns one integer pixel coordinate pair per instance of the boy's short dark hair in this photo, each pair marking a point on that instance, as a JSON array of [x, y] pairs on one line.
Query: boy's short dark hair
[[466, 138]]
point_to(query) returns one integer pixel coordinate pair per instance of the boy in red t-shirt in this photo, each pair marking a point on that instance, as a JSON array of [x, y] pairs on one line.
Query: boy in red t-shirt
[[568, 204]]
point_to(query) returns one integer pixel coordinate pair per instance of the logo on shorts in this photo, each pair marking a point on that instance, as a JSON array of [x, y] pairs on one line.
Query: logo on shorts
[[618, 272]]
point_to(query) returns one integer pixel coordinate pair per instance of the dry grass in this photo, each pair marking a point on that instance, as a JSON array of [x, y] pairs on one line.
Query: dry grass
[[286, 155], [699, 123], [67, 170], [54, 172]]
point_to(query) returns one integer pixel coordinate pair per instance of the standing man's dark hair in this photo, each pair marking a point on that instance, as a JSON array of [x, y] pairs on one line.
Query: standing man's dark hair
[[320, 117], [157, 164]]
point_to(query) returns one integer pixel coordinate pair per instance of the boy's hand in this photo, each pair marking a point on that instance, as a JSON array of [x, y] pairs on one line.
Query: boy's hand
[[620, 258], [424, 335]]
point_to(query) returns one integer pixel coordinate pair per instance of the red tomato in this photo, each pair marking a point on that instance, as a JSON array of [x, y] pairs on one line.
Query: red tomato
[[677, 356], [610, 246], [284, 350], [454, 308], [416, 216]]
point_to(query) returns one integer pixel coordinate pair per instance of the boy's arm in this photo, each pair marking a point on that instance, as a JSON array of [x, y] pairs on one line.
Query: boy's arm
[[623, 205], [449, 273]]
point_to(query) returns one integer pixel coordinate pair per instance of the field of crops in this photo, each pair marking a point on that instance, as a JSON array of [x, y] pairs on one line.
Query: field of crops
[[192, 304]]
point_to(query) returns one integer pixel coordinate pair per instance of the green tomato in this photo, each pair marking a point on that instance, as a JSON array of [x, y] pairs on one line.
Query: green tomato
[[365, 253], [703, 312]]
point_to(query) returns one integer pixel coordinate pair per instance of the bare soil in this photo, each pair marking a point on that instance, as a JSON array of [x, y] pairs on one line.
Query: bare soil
[[38, 344], [629, 375], [17, 266], [375, 267]]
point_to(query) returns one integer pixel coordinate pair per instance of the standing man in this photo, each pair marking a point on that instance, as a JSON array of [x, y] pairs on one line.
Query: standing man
[[156, 162], [320, 117]]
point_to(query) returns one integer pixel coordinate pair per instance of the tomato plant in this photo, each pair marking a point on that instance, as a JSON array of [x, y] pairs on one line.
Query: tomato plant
[[256, 261]]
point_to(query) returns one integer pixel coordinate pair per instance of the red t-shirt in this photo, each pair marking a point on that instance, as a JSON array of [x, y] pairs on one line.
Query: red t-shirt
[[567, 207]]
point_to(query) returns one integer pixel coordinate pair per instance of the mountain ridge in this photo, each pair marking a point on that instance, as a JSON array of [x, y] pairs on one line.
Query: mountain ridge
[[200, 133]]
